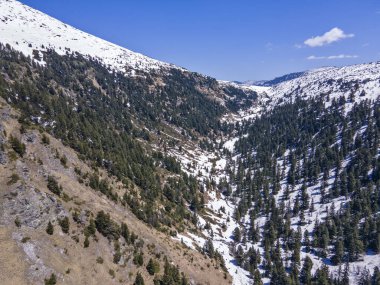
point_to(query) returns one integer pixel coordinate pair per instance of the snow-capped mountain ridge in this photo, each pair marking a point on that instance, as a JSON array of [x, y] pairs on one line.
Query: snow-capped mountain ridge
[[332, 81], [27, 29], [355, 83]]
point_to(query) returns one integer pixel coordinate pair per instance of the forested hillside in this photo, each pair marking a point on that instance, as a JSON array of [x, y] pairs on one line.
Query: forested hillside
[[308, 181], [158, 175], [114, 121], [302, 181]]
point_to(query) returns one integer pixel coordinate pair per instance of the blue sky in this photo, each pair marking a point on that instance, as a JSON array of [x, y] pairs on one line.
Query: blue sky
[[232, 40]]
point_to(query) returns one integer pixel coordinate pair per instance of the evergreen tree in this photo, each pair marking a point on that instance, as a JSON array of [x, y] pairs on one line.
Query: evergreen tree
[[153, 267], [138, 258], [50, 228], [305, 276], [53, 186], [139, 279], [346, 274], [338, 257], [376, 276], [90, 230], [236, 235], [257, 278], [86, 242], [65, 225]]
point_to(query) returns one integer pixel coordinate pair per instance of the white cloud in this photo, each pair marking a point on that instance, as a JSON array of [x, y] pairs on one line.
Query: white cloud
[[329, 37], [340, 56]]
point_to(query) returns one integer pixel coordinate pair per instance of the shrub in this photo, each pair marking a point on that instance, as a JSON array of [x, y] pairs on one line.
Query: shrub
[[53, 186], [63, 160], [52, 280], [86, 242], [65, 225], [17, 146], [13, 179], [25, 239], [45, 139], [18, 222], [112, 273]]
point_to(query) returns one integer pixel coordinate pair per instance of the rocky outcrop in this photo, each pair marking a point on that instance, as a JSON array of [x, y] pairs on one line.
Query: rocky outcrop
[[3, 156], [32, 207]]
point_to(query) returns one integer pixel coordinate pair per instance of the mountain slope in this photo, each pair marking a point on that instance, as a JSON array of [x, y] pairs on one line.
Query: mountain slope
[[297, 147], [26, 197], [27, 29], [269, 199], [118, 122]]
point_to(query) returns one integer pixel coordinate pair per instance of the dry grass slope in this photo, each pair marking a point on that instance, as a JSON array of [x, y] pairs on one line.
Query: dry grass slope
[[29, 254]]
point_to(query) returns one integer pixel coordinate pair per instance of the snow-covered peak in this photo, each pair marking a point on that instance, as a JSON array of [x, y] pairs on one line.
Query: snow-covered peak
[[321, 77], [356, 83], [243, 86], [360, 81], [27, 29]]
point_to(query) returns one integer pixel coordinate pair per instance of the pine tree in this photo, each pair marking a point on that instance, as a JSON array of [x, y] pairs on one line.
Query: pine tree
[[124, 231], [50, 228], [153, 267], [139, 279], [294, 274], [296, 257], [305, 276], [365, 277], [65, 225], [236, 235], [346, 274], [376, 276], [304, 198], [90, 230], [322, 276], [296, 207], [239, 255], [86, 242], [138, 258], [53, 186], [306, 241], [257, 278], [338, 257]]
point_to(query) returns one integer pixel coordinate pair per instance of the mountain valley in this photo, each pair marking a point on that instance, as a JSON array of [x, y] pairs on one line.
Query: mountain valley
[[116, 168]]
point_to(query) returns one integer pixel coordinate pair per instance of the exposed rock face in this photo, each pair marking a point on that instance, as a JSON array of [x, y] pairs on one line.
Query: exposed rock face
[[32, 207], [37, 270], [30, 137], [3, 156]]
